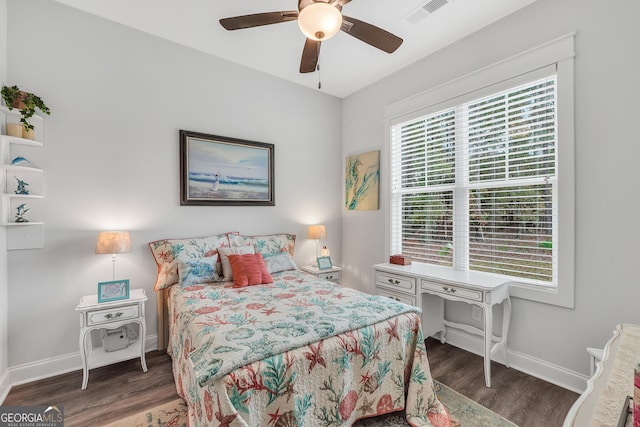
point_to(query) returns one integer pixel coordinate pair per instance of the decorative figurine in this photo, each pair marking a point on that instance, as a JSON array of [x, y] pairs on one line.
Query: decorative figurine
[[22, 186], [21, 212], [20, 161]]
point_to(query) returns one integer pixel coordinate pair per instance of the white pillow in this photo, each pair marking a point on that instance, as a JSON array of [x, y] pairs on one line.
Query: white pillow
[[280, 262], [224, 253]]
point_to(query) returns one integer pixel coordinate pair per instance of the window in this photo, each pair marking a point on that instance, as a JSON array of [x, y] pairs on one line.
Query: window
[[476, 180], [479, 178]]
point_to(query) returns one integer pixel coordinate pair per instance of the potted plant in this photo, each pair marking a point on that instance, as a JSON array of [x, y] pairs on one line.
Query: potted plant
[[27, 103]]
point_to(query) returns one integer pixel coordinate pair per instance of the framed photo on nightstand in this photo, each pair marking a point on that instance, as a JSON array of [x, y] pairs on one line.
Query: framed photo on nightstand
[[113, 291], [324, 263]]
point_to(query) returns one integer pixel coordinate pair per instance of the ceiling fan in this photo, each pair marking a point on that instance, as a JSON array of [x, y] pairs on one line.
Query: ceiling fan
[[319, 20]]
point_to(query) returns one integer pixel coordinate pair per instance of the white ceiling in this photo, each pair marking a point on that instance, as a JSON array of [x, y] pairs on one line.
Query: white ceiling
[[346, 64]]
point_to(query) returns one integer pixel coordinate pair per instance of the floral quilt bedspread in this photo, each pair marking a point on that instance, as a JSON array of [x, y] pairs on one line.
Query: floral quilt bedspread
[[299, 352]]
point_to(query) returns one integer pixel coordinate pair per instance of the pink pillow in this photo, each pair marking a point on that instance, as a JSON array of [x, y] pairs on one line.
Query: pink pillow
[[248, 270]]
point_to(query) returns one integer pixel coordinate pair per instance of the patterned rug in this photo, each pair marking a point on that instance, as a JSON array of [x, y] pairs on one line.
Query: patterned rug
[[465, 412]]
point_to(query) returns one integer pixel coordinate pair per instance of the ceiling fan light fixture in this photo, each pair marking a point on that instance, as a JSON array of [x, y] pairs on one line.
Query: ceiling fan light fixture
[[320, 21]]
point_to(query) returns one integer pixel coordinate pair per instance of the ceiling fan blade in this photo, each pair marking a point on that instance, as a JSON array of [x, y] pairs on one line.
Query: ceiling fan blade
[[258, 19], [370, 34], [310, 55], [343, 2]]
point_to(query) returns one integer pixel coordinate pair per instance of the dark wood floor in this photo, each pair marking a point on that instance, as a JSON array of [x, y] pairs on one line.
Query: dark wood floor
[[525, 400], [117, 391], [114, 392]]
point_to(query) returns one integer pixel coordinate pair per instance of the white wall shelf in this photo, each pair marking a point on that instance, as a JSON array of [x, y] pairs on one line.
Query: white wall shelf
[[23, 196], [21, 235], [16, 140], [15, 168]]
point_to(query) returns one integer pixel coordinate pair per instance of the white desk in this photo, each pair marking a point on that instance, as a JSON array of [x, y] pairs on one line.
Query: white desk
[[428, 287]]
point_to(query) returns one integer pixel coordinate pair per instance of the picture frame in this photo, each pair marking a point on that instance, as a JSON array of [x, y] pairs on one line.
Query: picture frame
[[218, 170], [324, 263], [113, 291], [362, 181]]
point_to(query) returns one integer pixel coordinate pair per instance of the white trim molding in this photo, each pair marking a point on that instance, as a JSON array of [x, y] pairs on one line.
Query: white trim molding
[[538, 368], [5, 385], [558, 54]]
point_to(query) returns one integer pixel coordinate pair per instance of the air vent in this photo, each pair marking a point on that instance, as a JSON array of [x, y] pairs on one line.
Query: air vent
[[425, 10], [434, 5]]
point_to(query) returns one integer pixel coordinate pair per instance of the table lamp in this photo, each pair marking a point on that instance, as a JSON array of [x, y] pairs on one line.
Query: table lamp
[[113, 242], [317, 232]]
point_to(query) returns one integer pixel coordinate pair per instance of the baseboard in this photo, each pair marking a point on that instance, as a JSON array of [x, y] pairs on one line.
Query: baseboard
[[53, 366], [5, 385], [522, 362]]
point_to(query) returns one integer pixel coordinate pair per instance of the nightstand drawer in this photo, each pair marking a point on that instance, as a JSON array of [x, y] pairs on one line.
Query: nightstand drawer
[[396, 296], [332, 277], [396, 282], [112, 314], [459, 292]]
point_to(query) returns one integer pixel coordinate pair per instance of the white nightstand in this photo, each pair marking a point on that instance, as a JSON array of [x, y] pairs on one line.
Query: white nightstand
[[109, 316], [333, 274]]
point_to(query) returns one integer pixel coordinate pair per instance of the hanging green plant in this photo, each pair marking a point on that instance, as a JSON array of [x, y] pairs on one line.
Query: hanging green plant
[[26, 102]]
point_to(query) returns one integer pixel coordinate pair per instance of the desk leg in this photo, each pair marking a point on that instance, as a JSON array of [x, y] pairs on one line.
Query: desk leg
[[506, 320], [433, 316], [488, 332]]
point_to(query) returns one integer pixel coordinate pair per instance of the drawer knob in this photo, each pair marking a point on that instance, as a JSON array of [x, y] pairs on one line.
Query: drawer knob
[[450, 290], [394, 282]]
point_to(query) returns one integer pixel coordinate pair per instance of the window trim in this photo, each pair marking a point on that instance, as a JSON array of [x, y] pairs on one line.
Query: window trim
[[557, 53]]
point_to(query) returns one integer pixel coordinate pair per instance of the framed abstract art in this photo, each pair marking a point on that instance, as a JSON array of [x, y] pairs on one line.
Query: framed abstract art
[[362, 182]]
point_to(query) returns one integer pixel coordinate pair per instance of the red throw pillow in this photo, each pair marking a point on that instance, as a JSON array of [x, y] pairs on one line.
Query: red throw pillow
[[249, 269]]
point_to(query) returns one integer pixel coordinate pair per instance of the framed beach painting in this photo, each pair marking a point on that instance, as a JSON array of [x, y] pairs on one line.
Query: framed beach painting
[[362, 182], [218, 170]]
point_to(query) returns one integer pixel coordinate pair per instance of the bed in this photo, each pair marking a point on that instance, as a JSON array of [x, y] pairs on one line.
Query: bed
[[292, 350]]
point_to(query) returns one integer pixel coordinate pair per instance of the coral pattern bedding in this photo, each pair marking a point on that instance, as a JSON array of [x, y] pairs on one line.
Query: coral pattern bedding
[[298, 352]]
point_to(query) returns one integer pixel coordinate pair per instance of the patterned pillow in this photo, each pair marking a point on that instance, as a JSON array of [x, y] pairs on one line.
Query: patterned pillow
[[169, 253], [270, 244], [201, 270], [249, 270], [280, 262], [227, 272]]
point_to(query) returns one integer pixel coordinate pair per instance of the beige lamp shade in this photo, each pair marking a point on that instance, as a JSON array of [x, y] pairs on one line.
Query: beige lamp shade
[[317, 232], [113, 242]]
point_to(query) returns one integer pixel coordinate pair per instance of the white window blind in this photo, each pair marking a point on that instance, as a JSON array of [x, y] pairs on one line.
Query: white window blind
[[474, 185]]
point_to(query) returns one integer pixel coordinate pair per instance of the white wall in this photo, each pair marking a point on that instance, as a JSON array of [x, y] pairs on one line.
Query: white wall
[[118, 98], [4, 377], [607, 176]]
